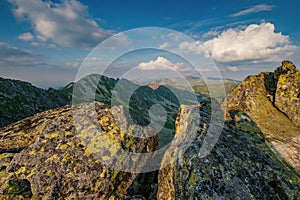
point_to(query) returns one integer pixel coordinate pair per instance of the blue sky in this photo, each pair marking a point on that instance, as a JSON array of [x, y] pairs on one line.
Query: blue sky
[[45, 42]]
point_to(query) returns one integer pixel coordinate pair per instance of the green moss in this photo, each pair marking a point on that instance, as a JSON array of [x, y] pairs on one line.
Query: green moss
[[69, 133], [63, 147], [20, 170], [52, 135], [193, 179], [103, 174], [53, 157], [67, 158]]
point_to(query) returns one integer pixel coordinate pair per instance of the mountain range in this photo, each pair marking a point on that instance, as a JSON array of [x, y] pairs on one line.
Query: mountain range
[[256, 156]]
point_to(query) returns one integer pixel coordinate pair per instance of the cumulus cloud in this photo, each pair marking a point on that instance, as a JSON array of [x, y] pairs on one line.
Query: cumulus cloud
[[256, 42], [233, 68], [26, 37], [192, 47], [66, 23], [253, 9], [160, 63]]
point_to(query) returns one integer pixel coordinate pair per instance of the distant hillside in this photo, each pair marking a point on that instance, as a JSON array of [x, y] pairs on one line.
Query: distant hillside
[[47, 156], [199, 85], [19, 99]]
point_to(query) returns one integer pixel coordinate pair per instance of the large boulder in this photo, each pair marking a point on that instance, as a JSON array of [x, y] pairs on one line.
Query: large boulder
[[242, 165], [47, 157], [272, 101]]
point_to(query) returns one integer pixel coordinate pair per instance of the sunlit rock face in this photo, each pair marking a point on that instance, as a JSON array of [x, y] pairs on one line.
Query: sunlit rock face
[[47, 157], [272, 101]]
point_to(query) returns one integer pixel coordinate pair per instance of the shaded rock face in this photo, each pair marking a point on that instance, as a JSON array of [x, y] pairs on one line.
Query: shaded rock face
[[242, 165], [45, 157], [272, 101]]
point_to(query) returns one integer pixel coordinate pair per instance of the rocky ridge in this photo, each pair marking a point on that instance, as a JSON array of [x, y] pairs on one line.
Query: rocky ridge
[[242, 165], [45, 156], [272, 101]]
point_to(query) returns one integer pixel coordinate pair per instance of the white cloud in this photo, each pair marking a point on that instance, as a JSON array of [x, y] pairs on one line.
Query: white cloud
[[210, 33], [175, 36], [256, 42], [160, 63], [66, 23], [233, 68], [254, 9], [164, 45], [191, 47], [26, 37], [41, 38]]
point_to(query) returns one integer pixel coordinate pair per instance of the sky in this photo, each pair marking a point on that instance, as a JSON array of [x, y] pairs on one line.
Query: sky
[[48, 42]]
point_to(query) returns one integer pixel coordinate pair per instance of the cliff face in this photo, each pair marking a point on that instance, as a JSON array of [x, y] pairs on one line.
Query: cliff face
[[272, 100], [45, 156], [242, 165]]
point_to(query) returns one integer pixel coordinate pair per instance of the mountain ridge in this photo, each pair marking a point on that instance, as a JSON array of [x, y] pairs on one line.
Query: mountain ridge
[[270, 99], [255, 156]]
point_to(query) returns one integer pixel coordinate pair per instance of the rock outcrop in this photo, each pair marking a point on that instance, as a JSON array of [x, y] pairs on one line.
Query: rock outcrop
[[242, 165], [47, 157], [272, 101], [287, 93], [77, 152]]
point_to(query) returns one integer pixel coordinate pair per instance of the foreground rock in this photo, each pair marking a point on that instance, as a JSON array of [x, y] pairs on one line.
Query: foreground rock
[[242, 165], [272, 100], [46, 157]]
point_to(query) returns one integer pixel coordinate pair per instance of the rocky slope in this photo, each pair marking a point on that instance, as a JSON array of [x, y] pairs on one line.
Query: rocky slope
[[242, 165], [47, 157], [272, 100], [44, 156]]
